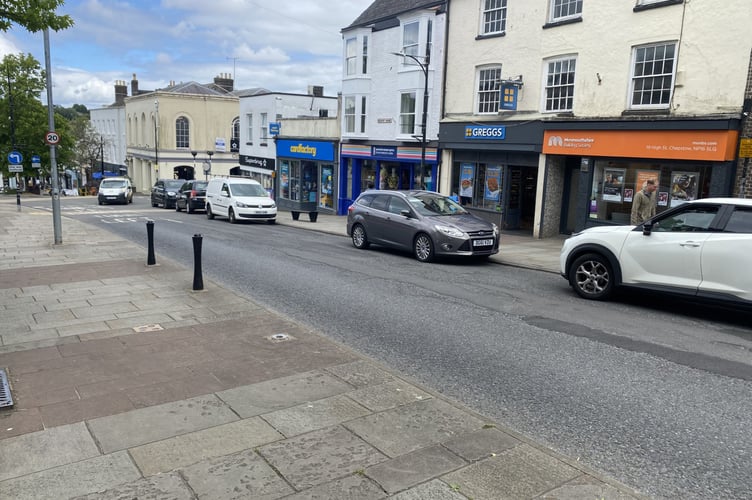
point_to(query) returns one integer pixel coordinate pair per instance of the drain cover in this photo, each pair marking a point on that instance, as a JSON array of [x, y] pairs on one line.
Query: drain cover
[[280, 337], [6, 400], [147, 328]]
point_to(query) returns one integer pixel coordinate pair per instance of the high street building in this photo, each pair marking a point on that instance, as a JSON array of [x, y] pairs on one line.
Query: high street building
[[557, 111]]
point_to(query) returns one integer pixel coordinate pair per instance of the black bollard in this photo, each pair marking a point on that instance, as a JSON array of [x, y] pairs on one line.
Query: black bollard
[[18, 198], [150, 260], [198, 281]]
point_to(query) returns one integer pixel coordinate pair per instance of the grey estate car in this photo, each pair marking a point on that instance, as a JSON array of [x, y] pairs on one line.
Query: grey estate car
[[425, 223]]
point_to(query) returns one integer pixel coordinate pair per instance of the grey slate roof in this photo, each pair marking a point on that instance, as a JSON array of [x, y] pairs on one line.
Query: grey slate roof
[[194, 88], [381, 10]]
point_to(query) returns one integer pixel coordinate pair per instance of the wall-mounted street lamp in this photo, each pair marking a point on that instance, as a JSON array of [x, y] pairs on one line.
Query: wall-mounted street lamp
[[194, 153], [424, 68]]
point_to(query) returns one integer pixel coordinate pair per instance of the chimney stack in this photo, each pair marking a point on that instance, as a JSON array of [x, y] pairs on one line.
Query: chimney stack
[[225, 82], [121, 92], [134, 85]]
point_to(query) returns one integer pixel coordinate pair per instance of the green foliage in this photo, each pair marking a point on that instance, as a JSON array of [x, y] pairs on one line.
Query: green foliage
[[34, 15]]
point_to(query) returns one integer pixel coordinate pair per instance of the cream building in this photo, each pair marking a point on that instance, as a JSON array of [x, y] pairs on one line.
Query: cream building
[[569, 105], [187, 130]]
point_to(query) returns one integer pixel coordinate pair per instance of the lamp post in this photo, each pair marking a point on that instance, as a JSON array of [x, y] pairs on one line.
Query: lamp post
[[207, 165], [424, 68], [194, 153], [101, 155], [156, 137]]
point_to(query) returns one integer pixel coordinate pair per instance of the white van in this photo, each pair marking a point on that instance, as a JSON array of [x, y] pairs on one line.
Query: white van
[[239, 198], [115, 190]]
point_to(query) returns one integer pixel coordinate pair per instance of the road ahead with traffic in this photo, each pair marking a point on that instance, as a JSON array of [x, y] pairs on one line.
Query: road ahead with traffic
[[654, 392]]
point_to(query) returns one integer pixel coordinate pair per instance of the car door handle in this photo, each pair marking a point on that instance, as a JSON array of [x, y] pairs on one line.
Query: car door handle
[[690, 244]]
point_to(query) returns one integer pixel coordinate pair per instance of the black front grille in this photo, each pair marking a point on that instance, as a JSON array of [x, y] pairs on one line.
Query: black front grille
[[481, 234]]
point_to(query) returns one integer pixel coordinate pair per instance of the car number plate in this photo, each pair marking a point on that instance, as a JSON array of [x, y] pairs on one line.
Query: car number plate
[[482, 243]]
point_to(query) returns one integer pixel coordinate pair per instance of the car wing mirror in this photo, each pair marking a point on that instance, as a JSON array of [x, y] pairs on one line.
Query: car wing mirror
[[405, 213], [647, 228]]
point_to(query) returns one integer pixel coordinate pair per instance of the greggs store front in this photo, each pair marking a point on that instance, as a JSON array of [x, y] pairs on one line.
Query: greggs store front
[[594, 174]]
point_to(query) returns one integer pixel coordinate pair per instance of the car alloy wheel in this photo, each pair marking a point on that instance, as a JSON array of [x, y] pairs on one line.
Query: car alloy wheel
[[359, 238], [591, 277], [209, 213], [423, 248], [231, 216]]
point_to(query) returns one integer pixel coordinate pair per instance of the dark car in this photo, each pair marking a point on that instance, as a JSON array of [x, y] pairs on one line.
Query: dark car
[[192, 196], [423, 222], [165, 192]]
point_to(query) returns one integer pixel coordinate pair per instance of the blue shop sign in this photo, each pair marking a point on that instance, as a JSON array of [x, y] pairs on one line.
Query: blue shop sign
[[494, 132], [384, 151], [274, 128], [308, 150]]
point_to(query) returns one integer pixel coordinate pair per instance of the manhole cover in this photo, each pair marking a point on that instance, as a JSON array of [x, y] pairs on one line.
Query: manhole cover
[[6, 400], [280, 337], [147, 328]]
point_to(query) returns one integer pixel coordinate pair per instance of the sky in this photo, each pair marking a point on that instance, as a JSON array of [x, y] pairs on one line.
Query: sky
[[283, 45]]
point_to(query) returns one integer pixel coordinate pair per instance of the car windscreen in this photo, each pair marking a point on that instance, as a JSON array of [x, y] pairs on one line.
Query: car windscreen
[[248, 190], [432, 204], [173, 185], [112, 184]]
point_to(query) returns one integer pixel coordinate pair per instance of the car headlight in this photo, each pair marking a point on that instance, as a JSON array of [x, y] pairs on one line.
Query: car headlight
[[495, 229], [240, 204], [450, 231]]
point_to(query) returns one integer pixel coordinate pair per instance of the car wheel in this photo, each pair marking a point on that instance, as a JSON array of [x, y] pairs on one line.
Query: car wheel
[[423, 248], [209, 213], [177, 207], [359, 238], [231, 216], [154, 204], [591, 277], [189, 208], [101, 202]]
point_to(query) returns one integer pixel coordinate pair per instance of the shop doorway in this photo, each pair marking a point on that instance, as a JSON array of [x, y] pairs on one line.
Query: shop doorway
[[521, 193], [393, 175], [569, 195]]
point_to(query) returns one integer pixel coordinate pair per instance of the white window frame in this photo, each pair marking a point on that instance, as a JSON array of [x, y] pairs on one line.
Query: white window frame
[[264, 128], [557, 4], [362, 114], [349, 113], [404, 114], [643, 77], [487, 10], [487, 87], [550, 87], [249, 127], [408, 47], [364, 52], [351, 56]]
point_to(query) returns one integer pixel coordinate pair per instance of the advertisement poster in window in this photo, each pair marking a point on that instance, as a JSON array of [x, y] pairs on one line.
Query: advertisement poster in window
[[628, 193], [644, 175], [467, 173], [492, 184], [284, 179], [662, 198], [325, 197], [613, 184], [683, 187]]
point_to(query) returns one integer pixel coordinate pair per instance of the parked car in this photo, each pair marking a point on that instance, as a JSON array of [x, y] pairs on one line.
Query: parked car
[[702, 248], [115, 190], [239, 198], [422, 222], [192, 196], [165, 192]]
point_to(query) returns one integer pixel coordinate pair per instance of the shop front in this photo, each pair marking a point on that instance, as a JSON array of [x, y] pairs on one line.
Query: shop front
[[600, 171], [366, 166], [258, 168], [494, 170], [306, 176]]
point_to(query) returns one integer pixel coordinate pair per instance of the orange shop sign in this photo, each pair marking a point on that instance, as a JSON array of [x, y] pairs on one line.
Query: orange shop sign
[[708, 145]]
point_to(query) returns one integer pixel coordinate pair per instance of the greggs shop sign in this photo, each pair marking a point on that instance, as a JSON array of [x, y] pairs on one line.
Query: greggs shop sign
[[708, 145]]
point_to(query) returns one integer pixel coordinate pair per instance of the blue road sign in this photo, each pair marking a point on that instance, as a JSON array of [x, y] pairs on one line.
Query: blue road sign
[[15, 158], [36, 159]]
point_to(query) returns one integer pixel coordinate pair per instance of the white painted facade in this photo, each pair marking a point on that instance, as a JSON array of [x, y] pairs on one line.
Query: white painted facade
[[109, 124]]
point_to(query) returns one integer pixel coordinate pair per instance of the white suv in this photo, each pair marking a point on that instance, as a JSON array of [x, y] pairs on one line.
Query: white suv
[[702, 248], [239, 198]]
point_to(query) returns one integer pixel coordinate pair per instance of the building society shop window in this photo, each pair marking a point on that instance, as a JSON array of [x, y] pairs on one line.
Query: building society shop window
[[615, 184]]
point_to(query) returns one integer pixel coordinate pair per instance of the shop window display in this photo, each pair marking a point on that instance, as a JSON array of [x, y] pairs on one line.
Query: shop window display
[[616, 183], [478, 184]]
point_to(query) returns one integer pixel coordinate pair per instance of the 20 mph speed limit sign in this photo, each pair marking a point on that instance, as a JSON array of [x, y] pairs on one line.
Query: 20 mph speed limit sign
[[51, 138]]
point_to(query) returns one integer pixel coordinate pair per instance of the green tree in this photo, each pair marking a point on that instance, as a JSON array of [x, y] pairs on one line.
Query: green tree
[[34, 15]]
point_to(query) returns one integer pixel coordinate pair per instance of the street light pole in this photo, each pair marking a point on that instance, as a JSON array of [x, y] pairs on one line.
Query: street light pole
[[101, 155], [424, 68], [194, 153], [156, 137], [206, 171]]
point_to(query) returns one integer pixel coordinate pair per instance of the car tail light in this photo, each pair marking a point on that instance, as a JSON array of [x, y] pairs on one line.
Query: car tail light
[[193, 193], [350, 209]]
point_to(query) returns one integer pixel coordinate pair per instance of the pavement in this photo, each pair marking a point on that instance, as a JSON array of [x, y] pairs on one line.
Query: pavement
[[128, 384]]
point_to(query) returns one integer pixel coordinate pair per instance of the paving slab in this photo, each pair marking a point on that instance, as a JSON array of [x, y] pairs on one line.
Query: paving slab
[[41, 450], [410, 427], [320, 456], [586, 487], [242, 475], [481, 444], [355, 487], [388, 395], [145, 425], [160, 487], [315, 415], [414, 468], [360, 373], [521, 472], [264, 397], [181, 451], [75, 479], [432, 490]]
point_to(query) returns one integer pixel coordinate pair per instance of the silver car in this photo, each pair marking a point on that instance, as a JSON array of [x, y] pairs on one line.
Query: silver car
[[423, 222]]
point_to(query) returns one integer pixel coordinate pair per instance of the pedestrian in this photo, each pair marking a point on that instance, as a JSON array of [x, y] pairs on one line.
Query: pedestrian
[[643, 205]]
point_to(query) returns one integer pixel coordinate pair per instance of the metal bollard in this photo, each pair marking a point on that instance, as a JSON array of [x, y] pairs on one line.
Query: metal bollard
[[18, 200], [198, 281], [150, 260]]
